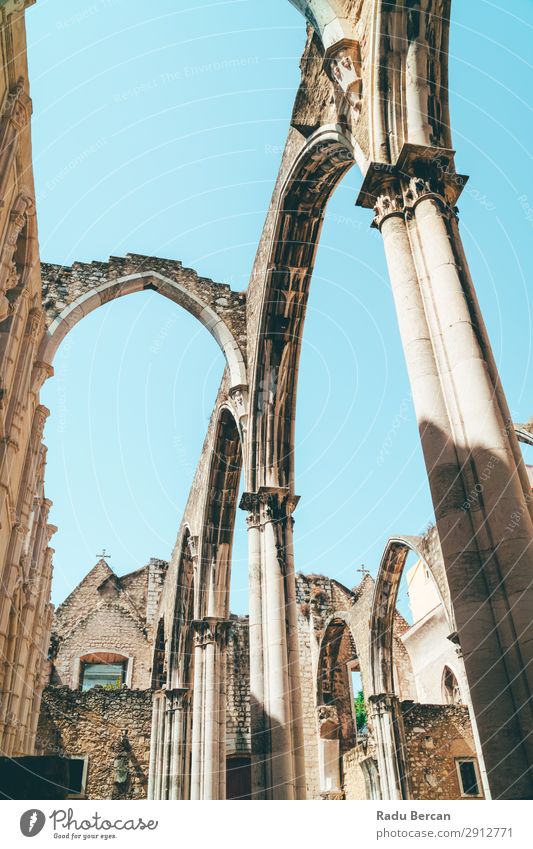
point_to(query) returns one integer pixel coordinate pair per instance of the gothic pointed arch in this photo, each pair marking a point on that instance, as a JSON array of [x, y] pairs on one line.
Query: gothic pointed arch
[[69, 294], [219, 516], [181, 644], [385, 601], [313, 177]]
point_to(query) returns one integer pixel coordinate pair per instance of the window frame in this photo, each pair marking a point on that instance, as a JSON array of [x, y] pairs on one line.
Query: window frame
[[473, 760]]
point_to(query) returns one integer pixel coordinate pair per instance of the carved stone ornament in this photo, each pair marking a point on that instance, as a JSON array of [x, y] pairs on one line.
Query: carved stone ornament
[[389, 203], [343, 64], [17, 105]]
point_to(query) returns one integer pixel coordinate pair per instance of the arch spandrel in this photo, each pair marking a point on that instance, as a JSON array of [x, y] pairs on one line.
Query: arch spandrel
[[71, 292], [391, 63]]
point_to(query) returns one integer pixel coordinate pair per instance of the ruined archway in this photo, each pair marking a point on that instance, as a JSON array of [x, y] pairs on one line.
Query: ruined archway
[[335, 701], [70, 293], [190, 717], [384, 606]]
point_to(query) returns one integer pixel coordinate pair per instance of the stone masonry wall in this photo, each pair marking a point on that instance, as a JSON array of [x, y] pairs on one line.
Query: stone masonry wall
[[238, 688], [93, 724], [436, 735], [106, 612], [64, 284]]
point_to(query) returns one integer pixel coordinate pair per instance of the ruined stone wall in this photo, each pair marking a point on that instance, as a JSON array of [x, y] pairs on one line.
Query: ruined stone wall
[[106, 613], [318, 600], [355, 786], [92, 724], [62, 285], [436, 735], [238, 688]]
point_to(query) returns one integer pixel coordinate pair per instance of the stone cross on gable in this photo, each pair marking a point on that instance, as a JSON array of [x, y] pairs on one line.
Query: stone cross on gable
[[103, 555], [364, 571]]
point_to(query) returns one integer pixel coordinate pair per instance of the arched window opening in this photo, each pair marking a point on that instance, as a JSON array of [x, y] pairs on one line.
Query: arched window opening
[[103, 669], [159, 665], [181, 652], [451, 694], [339, 695]]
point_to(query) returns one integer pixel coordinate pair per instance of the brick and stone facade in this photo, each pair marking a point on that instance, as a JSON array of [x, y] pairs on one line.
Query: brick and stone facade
[[102, 726], [108, 614]]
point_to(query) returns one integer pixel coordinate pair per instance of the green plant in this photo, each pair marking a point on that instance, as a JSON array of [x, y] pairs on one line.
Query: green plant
[[116, 686], [360, 710]]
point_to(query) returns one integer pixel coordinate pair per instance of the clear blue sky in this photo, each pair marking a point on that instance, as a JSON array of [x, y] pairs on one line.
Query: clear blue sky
[[158, 129]]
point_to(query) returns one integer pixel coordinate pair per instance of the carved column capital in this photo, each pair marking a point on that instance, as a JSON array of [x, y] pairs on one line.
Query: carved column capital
[[34, 325], [211, 629], [177, 698], [39, 420], [382, 703], [420, 172], [17, 106], [269, 504], [11, 6]]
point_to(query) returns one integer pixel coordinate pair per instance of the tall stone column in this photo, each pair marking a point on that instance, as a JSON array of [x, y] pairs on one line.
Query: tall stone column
[[157, 708], [209, 744], [275, 699], [387, 726], [198, 714], [178, 698], [478, 483], [258, 735]]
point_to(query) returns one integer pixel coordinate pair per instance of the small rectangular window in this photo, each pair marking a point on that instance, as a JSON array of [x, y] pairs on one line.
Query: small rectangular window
[[110, 675], [468, 777]]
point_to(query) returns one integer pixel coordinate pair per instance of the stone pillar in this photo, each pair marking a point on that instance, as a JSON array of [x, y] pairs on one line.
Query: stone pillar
[[387, 725], [294, 669], [178, 743], [156, 740], [197, 716], [272, 603], [258, 731], [481, 498], [209, 745]]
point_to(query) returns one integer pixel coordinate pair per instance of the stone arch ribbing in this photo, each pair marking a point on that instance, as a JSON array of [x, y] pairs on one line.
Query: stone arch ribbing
[[109, 290], [219, 516], [326, 18], [181, 647], [325, 158], [384, 609]]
